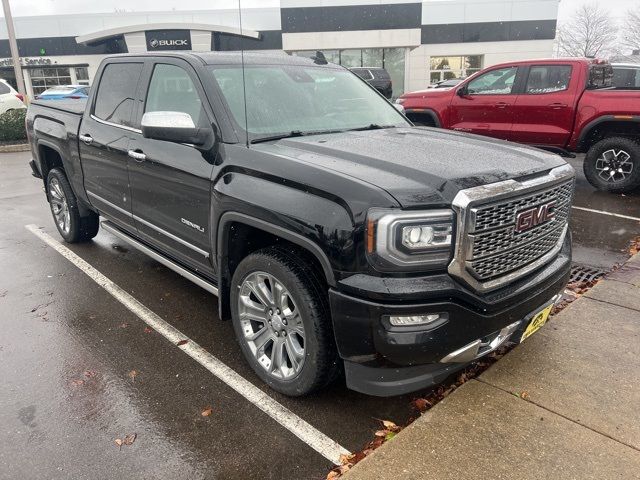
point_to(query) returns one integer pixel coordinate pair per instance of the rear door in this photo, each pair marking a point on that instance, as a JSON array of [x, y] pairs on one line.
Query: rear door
[[486, 107], [545, 110], [171, 182], [104, 139]]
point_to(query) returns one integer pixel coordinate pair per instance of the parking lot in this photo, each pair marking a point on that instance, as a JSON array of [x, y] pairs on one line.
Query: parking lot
[[81, 370]]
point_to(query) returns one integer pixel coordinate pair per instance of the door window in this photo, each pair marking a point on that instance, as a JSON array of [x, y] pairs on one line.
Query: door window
[[548, 79], [172, 90], [495, 82], [116, 92]]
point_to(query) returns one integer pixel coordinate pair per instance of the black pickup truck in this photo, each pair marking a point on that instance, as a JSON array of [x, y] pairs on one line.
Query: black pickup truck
[[337, 236]]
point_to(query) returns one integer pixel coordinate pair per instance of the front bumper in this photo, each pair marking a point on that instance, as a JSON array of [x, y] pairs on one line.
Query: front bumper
[[384, 360]]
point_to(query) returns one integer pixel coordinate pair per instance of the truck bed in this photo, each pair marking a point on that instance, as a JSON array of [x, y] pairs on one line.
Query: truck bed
[[75, 106]]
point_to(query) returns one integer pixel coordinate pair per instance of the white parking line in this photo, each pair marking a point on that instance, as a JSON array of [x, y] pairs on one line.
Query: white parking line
[[602, 212], [317, 440]]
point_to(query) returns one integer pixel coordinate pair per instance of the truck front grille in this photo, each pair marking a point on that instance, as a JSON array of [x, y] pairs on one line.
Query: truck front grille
[[496, 247], [492, 247]]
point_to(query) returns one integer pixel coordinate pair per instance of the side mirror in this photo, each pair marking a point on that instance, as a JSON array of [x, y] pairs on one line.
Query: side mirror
[[462, 92], [175, 127]]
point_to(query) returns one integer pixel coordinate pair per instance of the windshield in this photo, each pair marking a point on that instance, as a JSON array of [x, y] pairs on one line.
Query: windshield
[[304, 99]]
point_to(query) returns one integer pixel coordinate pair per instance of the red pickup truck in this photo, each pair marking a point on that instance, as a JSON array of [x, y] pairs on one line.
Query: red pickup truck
[[562, 105]]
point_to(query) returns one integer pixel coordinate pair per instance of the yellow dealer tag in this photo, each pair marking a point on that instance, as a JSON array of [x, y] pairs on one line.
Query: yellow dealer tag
[[536, 323]]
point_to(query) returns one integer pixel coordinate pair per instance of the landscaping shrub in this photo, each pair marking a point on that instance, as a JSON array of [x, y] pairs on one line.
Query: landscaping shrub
[[12, 125]]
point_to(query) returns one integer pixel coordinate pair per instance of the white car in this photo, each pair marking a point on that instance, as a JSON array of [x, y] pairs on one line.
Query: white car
[[9, 98]]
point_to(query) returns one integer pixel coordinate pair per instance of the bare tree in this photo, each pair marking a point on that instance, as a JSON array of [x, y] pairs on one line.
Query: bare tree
[[591, 32], [631, 29]]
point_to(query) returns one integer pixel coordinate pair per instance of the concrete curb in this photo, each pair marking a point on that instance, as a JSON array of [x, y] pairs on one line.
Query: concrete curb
[[561, 405], [18, 147]]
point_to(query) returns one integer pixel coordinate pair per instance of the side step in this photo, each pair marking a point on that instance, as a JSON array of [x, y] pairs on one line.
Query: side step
[[209, 287]]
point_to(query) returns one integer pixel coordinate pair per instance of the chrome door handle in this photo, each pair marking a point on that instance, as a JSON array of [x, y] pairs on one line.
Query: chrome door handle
[[558, 106], [502, 105], [137, 156], [87, 139]]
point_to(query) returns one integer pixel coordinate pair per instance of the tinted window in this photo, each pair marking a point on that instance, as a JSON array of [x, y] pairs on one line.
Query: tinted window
[[362, 73], [171, 90], [626, 77], [4, 88], [548, 79], [116, 92], [495, 82]]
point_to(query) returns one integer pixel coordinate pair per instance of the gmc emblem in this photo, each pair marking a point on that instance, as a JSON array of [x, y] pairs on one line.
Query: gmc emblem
[[528, 219]]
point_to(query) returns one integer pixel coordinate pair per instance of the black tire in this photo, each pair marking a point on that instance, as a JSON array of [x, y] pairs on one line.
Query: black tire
[[80, 229], [321, 365], [595, 162]]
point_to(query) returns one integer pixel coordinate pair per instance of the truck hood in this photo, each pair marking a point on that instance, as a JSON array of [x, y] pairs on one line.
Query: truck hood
[[417, 166]]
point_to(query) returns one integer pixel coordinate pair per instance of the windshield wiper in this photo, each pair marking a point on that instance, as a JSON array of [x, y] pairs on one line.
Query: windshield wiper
[[291, 134], [372, 126]]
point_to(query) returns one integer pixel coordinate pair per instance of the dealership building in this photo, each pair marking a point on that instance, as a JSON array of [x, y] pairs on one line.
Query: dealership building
[[417, 42]]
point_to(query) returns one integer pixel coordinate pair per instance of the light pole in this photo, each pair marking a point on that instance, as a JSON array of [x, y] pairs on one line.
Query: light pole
[[13, 45]]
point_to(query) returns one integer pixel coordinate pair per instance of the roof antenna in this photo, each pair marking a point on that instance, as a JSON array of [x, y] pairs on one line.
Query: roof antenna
[[319, 58]]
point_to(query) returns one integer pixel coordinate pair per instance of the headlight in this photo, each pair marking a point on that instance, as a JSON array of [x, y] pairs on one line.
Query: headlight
[[400, 101], [398, 240]]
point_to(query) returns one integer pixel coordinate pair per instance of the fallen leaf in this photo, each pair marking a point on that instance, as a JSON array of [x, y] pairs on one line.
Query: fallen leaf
[[390, 425], [421, 404], [147, 330], [124, 325], [345, 458], [207, 411], [118, 442], [77, 382], [389, 436], [133, 374], [90, 373], [130, 438], [182, 342], [381, 433], [524, 395]]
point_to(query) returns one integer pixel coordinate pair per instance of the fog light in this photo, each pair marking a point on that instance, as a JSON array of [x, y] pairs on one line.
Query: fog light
[[414, 320]]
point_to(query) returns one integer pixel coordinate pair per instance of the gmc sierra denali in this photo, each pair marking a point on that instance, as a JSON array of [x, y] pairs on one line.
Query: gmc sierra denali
[[337, 236]]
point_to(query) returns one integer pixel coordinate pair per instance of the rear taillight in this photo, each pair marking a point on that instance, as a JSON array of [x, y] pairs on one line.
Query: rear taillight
[[20, 97], [74, 97]]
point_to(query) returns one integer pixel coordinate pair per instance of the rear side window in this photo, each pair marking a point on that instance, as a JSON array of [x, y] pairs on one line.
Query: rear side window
[[548, 79], [363, 74], [4, 88], [116, 92]]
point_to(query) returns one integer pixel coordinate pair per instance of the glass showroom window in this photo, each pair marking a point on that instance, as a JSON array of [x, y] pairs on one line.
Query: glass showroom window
[[82, 75], [43, 78], [447, 68], [391, 59]]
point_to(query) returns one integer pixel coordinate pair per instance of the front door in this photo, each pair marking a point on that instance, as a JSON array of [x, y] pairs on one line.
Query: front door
[[171, 182], [544, 112], [485, 106], [104, 141]]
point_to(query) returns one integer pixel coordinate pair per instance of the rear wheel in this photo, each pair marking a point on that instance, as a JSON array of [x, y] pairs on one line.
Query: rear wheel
[[613, 165], [281, 319], [64, 208], [421, 120]]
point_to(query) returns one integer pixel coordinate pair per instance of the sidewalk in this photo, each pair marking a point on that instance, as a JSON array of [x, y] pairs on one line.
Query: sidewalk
[[580, 418]]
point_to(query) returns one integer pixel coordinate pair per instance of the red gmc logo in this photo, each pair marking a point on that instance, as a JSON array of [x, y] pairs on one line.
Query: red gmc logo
[[528, 219]]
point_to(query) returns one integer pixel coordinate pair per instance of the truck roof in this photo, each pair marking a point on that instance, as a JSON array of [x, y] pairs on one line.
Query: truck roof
[[552, 61], [232, 58]]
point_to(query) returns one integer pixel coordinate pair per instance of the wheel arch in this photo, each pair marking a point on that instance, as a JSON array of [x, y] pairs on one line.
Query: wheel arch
[[608, 126], [412, 114], [268, 234]]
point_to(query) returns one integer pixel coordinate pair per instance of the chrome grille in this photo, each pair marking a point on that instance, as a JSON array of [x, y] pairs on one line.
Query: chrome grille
[[489, 251], [496, 248]]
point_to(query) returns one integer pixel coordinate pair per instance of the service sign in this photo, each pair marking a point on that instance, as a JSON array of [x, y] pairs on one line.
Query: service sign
[[158, 40]]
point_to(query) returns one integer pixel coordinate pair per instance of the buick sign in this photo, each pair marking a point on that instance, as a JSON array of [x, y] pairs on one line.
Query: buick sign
[[168, 40]]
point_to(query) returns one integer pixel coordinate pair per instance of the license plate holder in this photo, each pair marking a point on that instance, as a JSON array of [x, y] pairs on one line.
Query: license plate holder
[[536, 322]]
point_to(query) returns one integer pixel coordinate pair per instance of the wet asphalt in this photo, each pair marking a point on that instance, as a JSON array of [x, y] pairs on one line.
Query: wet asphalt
[[78, 370]]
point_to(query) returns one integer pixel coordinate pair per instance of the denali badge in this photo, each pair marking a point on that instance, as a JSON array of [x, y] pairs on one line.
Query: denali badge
[[192, 225], [533, 217]]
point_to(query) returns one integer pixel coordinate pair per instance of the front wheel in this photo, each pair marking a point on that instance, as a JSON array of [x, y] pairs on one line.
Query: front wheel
[[64, 208], [281, 319], [613, 165]]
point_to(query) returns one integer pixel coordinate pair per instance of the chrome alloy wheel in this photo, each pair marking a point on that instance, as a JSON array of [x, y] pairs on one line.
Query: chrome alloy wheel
[[614, 165], [272, 325], [59, 205]]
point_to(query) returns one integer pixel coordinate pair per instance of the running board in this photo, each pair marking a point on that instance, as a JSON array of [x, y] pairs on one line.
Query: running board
[[209, 287]]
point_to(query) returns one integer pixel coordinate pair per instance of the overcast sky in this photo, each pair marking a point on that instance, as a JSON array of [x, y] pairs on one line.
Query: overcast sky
[[48, 7]]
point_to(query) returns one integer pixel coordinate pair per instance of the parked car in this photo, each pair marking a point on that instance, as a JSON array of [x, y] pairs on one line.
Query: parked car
[[626, 75], [377, 77], [450, 83], [64, 91], [563, 105], [9, 98], [336, 235]]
